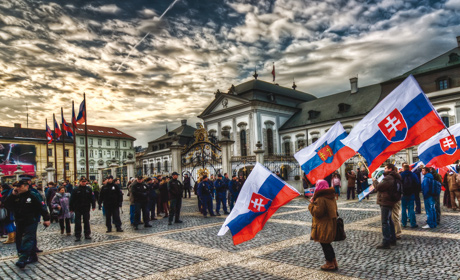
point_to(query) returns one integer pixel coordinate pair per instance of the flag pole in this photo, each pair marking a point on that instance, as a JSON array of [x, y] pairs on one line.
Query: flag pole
[[364, 163], [63, 145], [47, 157], [55, 151], [86, 138], [74, 145]]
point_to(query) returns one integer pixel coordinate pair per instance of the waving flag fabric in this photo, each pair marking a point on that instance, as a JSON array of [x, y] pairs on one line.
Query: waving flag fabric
[[74, 119], [67, 129], [57, 130], [81, 118], [402, 119], [325, 155], [441, 149], [49, 134], [415, 165], [261, 195]]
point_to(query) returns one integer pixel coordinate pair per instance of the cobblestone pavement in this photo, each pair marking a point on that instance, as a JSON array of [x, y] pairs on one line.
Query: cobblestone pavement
[[282, 250]]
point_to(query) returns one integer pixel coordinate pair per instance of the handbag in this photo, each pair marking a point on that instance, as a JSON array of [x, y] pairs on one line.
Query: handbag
[[3, 214], [340, 234]]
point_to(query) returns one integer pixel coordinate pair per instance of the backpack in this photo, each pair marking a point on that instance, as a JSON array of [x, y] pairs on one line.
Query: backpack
[[398, 187], [435, 188], [408, 185]]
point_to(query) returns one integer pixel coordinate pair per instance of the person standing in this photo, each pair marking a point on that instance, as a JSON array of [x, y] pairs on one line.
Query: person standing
[[164, 197], [152, 185], [204, 193], [96, 189], [454, 188], [187, 186], [61, 202], [359, 181], [409, 189], [437, 197], [336, 183], [81, 202], [234, 189], [221, 194], [25, 205], [351, 180], [428, 196], [111, 198], [387, 198], [52, 190], [418, 202], [323, 208], [140, 193], [175, 189]]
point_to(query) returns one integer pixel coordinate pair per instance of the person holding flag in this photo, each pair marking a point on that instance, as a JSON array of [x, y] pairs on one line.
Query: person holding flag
[[323, 208], [262, 194]]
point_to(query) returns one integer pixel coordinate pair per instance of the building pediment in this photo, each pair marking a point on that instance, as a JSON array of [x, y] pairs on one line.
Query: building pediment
[[222, 103]]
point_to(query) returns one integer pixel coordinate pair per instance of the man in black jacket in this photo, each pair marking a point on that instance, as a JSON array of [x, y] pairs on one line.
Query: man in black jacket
[[25, 206], [187, 186], [140, 194], [112, 199], [175, 189], [81, 201]]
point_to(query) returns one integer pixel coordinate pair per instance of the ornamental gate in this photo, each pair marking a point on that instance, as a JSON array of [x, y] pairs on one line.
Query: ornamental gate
[[202, 157]]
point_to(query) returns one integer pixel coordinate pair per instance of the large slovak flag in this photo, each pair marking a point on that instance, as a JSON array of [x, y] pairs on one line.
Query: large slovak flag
[[441, 149], [261, 195], [325, 155], [402, 119]]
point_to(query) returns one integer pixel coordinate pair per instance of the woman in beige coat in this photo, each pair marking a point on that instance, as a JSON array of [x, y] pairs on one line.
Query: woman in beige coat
[[323, 208]]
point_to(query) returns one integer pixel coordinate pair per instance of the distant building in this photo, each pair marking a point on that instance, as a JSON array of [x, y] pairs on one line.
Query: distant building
[[104, 144], [27, 147], [285, 120], [157, 158]]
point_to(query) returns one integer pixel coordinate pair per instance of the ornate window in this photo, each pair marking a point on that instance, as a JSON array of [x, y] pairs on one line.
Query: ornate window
[[159, 167], [287, 148], [243, 144], [270, 141]]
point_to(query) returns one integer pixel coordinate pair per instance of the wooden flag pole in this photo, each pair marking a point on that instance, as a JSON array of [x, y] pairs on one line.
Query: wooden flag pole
[[74, 147], [47, 157], [364, 163], [55, 150], [63, 145], [86, 138]]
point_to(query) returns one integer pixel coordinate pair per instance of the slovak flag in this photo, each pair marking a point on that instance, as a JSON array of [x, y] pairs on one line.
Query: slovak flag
[[325, 155], [441, 149], [57, 130], [49, 134], [81, 118], [402, 119], [415, 165], [261, 195], [67, 129]]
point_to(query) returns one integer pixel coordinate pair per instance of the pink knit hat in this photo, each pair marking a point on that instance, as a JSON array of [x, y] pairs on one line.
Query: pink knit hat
[[321, 185]]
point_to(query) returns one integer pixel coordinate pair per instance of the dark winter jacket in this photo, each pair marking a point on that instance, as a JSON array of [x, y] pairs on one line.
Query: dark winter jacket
[[140, 192], [386, 189], [111, 196], [82, 199], [25, 207], [175, 189]]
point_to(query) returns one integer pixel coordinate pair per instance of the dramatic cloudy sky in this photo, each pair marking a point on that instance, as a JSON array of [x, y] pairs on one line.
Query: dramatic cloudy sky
[[53, 51]]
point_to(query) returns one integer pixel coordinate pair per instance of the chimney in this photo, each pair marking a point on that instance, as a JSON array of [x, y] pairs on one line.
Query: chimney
[[183, 122], [458, 41], [17, 125], [354, 84]]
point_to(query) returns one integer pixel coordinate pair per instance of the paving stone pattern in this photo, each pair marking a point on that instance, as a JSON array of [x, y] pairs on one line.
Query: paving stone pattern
[[282, 250]]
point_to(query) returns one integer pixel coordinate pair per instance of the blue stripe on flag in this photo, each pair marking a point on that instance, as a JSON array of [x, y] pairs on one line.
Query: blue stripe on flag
[[414, 111], [316, 161], [269, 189]]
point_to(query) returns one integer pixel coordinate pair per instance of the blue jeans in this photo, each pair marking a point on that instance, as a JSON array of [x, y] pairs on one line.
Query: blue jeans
[[221, 198], [430, 209], [388, 227], [132, 212], [418, 203], [407, 205], [337, 190]]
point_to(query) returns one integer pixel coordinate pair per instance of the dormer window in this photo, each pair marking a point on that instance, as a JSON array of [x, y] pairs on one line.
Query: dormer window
[[344, 107], [453, 57], [312, 114], [443, 83]]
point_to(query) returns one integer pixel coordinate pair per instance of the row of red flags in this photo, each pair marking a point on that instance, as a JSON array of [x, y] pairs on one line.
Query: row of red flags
[[80, 119]]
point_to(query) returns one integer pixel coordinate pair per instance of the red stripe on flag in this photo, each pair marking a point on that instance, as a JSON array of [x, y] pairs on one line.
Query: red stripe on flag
[[444, 160], [325, 169], [423, 130], [285, 195]]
